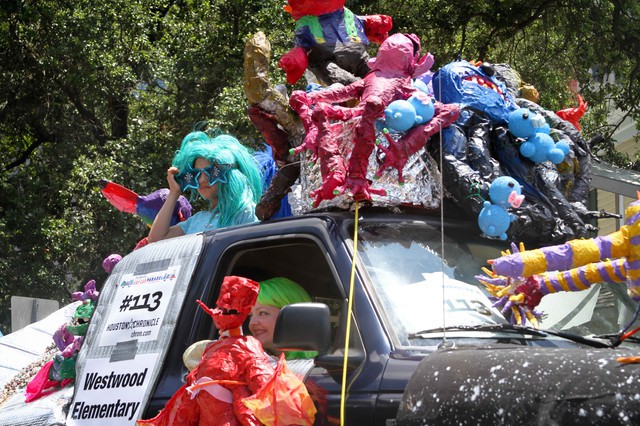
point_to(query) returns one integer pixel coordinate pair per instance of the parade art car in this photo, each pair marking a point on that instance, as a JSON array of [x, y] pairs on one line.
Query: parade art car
[[425, 345]]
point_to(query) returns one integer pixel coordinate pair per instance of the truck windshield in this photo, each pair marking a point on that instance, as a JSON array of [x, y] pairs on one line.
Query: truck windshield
[[422, 284]]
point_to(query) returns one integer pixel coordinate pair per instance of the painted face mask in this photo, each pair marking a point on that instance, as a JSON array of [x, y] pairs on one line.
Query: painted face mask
[[237, 297], [189, 178]]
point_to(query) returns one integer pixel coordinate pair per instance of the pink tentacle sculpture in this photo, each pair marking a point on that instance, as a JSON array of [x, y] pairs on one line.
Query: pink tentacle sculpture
[[398, 60]]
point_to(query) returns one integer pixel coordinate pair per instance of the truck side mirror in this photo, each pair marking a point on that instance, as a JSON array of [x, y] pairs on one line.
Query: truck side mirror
[[303, 327]]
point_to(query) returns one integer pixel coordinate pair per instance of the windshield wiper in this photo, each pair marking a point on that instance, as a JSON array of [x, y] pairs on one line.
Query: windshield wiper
[[518, 329], [586, 340], [615, 338], [504, 328]]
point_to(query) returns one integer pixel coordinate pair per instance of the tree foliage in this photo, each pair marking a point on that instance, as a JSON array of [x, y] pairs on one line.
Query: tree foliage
[[94, 89], [549, 42]]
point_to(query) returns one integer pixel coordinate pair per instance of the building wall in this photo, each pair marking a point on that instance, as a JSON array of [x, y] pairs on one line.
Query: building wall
[[625, 142], [606, 202]]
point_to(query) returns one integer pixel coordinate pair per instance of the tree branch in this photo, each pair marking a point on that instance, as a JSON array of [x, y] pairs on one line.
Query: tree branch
[[98, 130], [42, 136]]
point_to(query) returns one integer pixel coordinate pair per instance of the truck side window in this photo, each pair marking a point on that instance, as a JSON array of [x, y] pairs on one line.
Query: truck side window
[[300, 259]]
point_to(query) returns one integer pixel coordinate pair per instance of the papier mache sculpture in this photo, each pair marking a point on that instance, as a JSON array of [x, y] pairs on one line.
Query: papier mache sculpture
[[399, 59]]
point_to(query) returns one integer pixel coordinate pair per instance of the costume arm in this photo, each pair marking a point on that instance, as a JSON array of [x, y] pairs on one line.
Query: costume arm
[[338, 94], [564, 256], [294, 63], [160, 228], [517, 296], [377, 27], [255, 370]]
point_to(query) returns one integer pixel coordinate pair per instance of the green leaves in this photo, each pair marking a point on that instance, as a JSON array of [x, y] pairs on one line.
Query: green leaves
[[106, 90]]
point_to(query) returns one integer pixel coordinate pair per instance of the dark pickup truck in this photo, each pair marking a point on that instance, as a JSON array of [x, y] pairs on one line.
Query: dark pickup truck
[[426, 346]]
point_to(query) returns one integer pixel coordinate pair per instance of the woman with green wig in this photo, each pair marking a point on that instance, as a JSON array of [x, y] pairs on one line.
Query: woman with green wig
[[274, 294], [221, 171]]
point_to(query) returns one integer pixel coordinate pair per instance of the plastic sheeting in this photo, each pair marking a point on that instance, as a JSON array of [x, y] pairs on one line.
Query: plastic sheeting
[[22, 347], [48, 410], [421, 188]]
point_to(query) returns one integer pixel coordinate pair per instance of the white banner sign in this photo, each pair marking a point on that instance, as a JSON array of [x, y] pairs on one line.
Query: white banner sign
[[111, 392], [140, 305]]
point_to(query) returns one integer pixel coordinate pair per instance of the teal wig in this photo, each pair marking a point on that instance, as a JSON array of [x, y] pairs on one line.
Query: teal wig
[[282, 291], [243, 188]]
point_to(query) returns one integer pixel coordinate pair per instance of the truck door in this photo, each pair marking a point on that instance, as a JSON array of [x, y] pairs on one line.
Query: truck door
[[321, 267]]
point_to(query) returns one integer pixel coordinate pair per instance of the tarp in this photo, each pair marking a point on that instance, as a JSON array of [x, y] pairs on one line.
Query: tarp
[[22, 347]]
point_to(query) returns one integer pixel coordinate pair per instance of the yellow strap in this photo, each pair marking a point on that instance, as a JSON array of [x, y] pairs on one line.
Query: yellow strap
[[349, 310]]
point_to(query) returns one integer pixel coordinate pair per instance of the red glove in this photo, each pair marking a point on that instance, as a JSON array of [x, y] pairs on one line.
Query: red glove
[[377, 27], [573, 115], [294, 63]]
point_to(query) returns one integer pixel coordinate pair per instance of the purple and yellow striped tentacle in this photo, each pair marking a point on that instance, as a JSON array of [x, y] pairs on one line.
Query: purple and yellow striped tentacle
[[563, 257], [632, 222], [577, 279]]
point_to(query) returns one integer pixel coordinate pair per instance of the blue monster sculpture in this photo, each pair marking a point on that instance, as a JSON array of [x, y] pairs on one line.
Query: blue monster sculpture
[[479, 148], [475, 87]]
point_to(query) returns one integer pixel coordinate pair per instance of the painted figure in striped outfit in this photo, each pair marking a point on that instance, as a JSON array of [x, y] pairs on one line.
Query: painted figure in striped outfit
[[331, 41], [521, 278]]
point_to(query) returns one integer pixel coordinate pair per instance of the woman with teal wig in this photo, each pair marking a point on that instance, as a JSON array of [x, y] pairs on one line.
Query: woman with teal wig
[[220, 170], [274, 294]]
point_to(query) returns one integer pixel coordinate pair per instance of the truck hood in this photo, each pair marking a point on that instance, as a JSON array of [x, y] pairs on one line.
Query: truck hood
[[523, 386]]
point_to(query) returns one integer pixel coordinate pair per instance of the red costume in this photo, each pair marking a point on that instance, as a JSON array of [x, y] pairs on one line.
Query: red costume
[[232, 368]]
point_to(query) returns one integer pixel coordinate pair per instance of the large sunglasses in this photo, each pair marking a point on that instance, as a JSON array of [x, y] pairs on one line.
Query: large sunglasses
[[190, 176]]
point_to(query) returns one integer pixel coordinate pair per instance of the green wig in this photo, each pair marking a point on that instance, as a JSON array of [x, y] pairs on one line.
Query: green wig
[[282, 291], [243, 188]]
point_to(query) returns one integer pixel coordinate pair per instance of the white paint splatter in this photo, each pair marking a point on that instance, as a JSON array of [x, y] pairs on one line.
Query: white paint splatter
[[476, 392]]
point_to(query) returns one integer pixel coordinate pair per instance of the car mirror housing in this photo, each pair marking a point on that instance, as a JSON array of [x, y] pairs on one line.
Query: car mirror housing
[[303, 327]]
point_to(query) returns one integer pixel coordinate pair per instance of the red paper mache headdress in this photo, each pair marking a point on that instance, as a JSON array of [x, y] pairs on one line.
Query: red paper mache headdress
[[300, 8], [237, 297]]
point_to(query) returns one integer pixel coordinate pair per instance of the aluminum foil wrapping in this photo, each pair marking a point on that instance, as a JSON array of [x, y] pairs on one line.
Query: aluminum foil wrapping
[[422, 186]]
